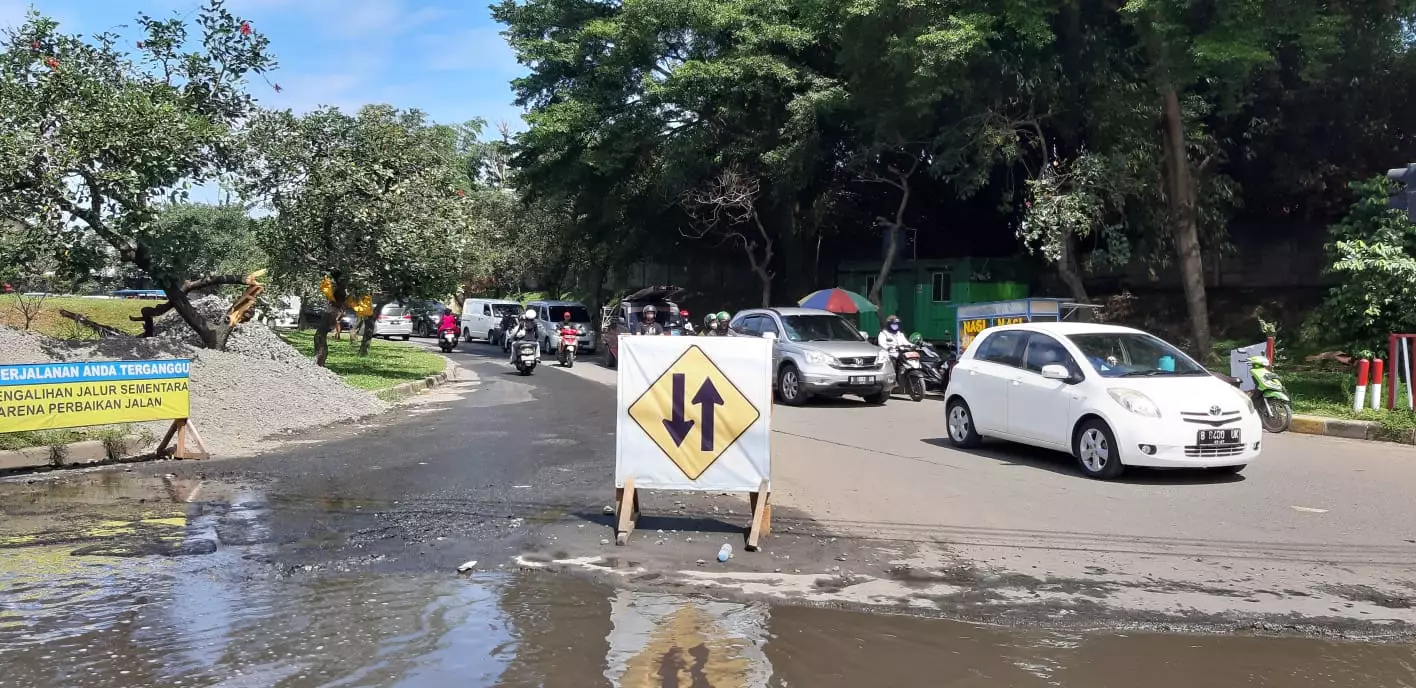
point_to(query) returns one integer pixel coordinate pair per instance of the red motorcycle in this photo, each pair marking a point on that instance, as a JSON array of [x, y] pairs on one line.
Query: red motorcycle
[[569, 343]]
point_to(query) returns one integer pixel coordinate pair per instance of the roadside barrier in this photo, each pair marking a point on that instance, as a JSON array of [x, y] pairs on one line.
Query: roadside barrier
[[1359, 398], [1377, 383]]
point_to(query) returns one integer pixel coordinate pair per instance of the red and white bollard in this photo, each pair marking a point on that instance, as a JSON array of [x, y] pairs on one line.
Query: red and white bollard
[[1377, 384], [1360, 398]]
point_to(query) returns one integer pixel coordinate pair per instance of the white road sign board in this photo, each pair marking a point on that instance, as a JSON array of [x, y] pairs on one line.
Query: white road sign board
[[694, 413]]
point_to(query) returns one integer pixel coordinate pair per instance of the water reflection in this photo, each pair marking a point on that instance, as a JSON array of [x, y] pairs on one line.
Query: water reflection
[[117, 594]]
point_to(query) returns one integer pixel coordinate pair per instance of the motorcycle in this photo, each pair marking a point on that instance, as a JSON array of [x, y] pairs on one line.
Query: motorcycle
[[447, 341], [508, 324], [1270, 397], [569, 343], [909, 372], [934, 366], [528, 354]]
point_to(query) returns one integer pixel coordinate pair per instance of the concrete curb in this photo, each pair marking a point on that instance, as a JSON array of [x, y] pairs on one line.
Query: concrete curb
[[398, 393], [86, 453], [1350, 429]]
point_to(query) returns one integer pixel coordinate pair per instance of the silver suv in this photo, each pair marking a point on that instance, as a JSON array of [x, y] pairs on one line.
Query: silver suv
[[818, 353]]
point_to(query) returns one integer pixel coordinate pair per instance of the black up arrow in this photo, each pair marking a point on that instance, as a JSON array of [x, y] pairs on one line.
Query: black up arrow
[[707, 397], [678, 427]]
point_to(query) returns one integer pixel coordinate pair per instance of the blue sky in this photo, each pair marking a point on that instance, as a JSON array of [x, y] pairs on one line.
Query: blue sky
[[444, 57]]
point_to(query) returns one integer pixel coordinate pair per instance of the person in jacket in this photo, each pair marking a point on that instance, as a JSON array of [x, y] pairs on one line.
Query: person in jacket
[[891, 337], [711, 326], [525, 329], [648, 322], [447, 322]]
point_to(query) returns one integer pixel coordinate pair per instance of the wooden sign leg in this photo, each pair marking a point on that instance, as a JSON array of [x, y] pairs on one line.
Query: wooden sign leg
[[761, 516], [191, 430], [167, 438], [627, 509]]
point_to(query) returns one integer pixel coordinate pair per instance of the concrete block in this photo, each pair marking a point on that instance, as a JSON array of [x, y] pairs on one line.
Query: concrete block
[[29, 457], [83, 453], [1309, 425], [1352, 429]]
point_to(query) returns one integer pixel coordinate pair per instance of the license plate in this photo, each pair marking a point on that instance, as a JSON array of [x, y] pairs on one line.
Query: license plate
[[862, 379], [673, 333], [528, 358], [1211, 438], [911, 354]]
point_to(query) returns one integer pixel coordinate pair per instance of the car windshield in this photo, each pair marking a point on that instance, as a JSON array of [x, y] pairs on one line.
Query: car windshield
[[393, 311], [1134, 354], [505, 309], [819, 328], [577, 313]]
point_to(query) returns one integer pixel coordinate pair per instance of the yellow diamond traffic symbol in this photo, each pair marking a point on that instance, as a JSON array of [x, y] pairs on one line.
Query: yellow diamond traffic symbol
[[693, 412]]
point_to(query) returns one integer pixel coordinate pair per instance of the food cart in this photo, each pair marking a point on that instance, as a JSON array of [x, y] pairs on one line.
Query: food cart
[[973, 318]]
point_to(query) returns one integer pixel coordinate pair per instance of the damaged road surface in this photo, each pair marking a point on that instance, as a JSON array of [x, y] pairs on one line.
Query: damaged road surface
[[333, 561]]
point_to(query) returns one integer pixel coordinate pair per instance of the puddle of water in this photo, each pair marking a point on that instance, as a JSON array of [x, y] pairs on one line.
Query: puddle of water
[[115, 593]]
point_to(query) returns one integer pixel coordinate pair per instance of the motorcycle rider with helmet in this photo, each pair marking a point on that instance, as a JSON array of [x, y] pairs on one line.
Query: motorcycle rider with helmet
[[447, 322], [711, 326], [891, 338], [647, 323], [526, 327]]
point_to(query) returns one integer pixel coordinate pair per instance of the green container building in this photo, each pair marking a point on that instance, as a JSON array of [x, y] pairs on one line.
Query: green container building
[[926, 293]]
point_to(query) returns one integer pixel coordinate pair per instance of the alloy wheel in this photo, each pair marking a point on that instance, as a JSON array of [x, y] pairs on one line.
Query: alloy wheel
[[1094, 450]]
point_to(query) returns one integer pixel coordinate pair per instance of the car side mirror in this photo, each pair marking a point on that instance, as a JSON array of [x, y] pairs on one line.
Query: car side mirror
[[1054, 371], [769, 336]]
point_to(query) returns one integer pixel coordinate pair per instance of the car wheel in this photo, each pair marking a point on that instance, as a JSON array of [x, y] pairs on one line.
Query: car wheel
[[466, 335], [1097, 452], [790, 388], [404, 337], [879, 398], [489, 337], [962, 432]]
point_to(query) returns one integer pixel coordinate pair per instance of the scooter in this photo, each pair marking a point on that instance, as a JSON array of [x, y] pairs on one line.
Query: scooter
[[909, 372], [1270, 397], [528, 354], [447, 341], [933, 365], [569, 343]]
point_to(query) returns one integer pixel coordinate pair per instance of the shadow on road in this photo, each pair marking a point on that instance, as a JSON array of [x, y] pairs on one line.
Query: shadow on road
[[1011, 454], [684, 523]]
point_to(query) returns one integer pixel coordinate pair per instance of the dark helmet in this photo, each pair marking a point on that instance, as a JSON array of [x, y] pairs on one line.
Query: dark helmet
[[447, 311], [650, 310], [892, 319]]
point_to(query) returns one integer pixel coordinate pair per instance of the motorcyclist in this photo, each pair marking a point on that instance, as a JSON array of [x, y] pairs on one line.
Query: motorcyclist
[[524, 329], [647, 323], [891, 338], [565, 325], [711, 326], [723, 322], [447, 322]]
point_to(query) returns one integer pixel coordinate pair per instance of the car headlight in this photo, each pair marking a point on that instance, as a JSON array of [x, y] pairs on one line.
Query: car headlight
[[580, 329], [1135, 402], [818, 358], [880, 358], [1248, 403]]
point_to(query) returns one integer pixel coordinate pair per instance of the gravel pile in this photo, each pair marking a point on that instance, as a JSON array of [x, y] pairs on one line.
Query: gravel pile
[[260, 386]]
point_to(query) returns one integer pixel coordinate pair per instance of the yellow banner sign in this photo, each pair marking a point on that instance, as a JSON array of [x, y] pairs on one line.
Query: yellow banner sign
[[1018, 320], [48, 396]]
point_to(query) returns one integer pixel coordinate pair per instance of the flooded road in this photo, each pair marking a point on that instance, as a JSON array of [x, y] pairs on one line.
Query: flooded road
[[120, 580]]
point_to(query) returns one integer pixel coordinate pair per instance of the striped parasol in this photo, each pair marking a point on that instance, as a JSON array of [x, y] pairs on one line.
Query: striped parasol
[[838, 300]]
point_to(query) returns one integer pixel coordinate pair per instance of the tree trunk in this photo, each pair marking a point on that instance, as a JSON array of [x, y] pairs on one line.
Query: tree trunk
[[367, 334], [766, 278], [892, 248], [1070, 270], [331, 316], [1181, 196], [213, 337]]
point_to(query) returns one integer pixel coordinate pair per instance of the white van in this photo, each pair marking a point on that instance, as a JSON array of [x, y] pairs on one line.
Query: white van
[[481, 318]]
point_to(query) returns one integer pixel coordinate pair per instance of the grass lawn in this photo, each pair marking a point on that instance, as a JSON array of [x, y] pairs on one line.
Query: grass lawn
[[111, 312], [49, 438], [387, 364], [1327, 391]]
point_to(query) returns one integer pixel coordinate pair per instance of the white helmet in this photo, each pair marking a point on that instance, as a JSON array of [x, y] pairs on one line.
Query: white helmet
[[530, 314]]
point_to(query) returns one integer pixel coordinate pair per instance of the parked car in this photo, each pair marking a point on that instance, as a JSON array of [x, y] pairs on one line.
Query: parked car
[[394, 320], [426, 316], [1111, 396], [549, 318], [623, 316], [482, 318], [818, 353]]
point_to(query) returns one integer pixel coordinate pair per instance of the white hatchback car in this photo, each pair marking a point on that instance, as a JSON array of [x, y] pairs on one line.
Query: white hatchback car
[[1111, 396]]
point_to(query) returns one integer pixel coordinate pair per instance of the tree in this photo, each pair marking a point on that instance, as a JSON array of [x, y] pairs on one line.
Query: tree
[[371, 201], [100, 137], [722, 207], [1373, 253]]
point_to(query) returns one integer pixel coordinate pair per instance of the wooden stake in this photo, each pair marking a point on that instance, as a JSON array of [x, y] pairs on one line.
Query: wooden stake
[[627, 509], [761, 516], [183, 429]]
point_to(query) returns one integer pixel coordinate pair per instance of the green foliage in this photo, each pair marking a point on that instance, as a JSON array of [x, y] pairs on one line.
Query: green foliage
[[372, 199], [206, 239], [1373, 254], [94, 136]]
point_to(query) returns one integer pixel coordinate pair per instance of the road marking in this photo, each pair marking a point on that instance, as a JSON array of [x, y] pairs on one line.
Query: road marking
[[1310, 510]]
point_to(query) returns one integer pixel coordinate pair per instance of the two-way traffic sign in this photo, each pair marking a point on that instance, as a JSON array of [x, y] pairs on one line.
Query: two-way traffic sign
[[693, 412]]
